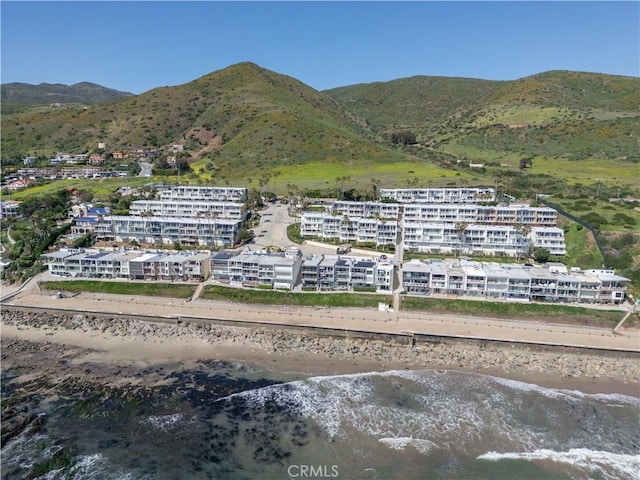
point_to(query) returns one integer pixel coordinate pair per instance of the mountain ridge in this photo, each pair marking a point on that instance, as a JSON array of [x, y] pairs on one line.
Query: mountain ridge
[[46, 93], [245, 116], [218, 115]]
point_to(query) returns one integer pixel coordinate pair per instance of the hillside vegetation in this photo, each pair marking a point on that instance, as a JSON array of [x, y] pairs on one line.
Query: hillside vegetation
[[565, 115], [241, 119], [47, 93]]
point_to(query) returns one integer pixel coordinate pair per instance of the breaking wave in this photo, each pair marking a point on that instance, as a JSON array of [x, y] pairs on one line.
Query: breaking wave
[[468, 414], [610, 465]]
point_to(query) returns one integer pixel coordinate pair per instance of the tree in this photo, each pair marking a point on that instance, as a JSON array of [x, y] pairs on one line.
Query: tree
[[340, 181], [526, 162], [461, 228], [375, 188], [276, 174], [541, 255], [413, 182], [403, 138], [524, 231]]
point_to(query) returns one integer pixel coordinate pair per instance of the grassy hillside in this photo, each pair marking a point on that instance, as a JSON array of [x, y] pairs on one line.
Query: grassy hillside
[[572, 115], [240, 119], [47, 93], [413, 101]]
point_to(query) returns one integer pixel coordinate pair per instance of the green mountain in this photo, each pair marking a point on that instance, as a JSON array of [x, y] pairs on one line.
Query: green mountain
[[244, 119], [48, 93], [560, 114], [241, 118]]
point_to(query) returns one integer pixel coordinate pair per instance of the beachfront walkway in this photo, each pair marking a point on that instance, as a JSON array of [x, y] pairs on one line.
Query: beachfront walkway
[[372, 320]]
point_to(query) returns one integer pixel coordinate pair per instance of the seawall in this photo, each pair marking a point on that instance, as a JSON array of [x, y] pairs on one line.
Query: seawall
[[412, 350]]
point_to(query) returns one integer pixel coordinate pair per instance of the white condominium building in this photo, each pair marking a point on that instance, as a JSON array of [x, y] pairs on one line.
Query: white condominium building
[[185, 208], [365, 209], [130, 265], [474, 240], [8, 209], [337, 272], [212, 194], [551, 238], [481, 214], [348, 229], [439, 195], [254, 269], [166, 230], [503, 281]]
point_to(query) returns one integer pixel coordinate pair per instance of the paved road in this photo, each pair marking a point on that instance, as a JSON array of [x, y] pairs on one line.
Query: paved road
[[145, 169], [272, 231]]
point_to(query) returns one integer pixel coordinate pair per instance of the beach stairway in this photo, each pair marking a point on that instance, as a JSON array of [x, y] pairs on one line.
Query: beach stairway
[[198, 291]]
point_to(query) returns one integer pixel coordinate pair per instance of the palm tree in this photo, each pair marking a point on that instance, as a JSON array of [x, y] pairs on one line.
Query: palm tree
[[275, 174], [524, 231], [375, 187], [340, 181], [461, 228]]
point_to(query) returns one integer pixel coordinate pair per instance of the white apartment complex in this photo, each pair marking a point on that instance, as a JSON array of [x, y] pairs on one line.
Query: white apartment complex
[[348, 229], [343, 273], [390, 211], [551, 238], [438, 238], [439, 195], [211, 194], [185, 208], [513, 282], [434, 227], [258, 268], [481, 214], [217, 232], [552, 282], [522, 214], [130, 265]]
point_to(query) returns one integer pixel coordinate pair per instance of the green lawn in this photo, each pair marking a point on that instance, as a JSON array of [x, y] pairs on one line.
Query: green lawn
[[123, 288], [587, 172], [306, 299], [608, 216], [508, 310]]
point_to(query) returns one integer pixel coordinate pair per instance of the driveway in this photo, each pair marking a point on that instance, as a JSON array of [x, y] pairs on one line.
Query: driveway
[[272, 231], [145, 169]]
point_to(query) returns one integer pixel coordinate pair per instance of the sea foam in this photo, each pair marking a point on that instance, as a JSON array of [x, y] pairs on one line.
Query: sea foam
[[452, 410], [609, 465], [165, 422], [423, 446]]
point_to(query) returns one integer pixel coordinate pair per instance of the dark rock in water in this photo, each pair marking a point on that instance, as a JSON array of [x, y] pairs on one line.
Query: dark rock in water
[[13, 424], [112, 442]]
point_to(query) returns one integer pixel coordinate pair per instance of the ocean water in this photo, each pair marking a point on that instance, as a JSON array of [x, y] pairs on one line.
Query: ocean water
[[231, 421]]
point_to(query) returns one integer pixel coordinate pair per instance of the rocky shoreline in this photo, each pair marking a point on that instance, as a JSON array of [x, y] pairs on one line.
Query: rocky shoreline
[[623, 368]]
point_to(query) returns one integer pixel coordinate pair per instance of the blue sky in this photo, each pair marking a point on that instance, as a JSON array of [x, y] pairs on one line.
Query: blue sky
[[139, 46]]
